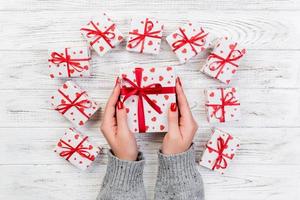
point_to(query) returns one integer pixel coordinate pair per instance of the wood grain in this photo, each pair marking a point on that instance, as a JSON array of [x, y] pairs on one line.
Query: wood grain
[[267, 166]]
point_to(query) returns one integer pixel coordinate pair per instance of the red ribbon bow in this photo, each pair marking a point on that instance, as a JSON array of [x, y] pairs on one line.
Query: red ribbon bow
[[72, 64], [193, 41], [107, 35], [220, 161], [142, 93], [221, 62], [227, 100], [80, 105], [70, 150], [142, 36]]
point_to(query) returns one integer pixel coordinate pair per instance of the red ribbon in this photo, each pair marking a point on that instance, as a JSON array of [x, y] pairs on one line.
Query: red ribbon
[[83, 151], [221, 62], [142, 36], [80, 105], [142, 93], [72, 64], [220, 161], [107, 35], [227, 100], [193, 41]]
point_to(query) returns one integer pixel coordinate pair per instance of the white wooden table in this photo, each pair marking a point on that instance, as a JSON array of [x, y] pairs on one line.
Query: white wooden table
[[268, 164]]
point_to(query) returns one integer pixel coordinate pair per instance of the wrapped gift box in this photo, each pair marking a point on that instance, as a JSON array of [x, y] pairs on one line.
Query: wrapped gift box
[[223, 61], [145, 35], [74, 103], [102, 34], [220, 150], [147, 94], [75, 148], [188, 41], [222, 104], [69, 62]]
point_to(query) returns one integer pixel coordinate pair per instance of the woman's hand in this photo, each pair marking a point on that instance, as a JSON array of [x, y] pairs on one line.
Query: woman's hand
[[115, 129], [182, 125]]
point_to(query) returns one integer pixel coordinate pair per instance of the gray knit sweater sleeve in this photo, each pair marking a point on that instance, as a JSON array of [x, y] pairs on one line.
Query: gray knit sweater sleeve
[[123, 179], [178, 177]]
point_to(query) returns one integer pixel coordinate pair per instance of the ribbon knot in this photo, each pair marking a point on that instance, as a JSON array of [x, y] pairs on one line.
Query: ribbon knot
[[72, 63], [140, 37], [80, 105], [106, 35], [196, 40], [142, 93], [221, 62], [221, 161], [70, 150], [227, 100]]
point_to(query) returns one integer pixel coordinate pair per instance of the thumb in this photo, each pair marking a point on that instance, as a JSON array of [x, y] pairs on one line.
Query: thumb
[[121, 117], [173, 119]]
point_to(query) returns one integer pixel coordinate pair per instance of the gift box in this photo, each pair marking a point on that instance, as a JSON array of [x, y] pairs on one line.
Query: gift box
[[69, 62], [188, 41], [220, 150], [223, 61], [145, 35], [147, 94], [76, 148], [102, 34], [73, 103], [222, 105]]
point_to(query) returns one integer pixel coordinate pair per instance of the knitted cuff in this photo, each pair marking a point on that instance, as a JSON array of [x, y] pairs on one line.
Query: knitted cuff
[[178, 167], [122, 174]]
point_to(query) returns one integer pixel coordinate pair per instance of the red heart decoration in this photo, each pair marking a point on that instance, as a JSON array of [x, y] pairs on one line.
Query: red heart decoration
[[212, 94], [233, 90], [231, 46], [135, 31], [65, 86], [227, 81], [152, 69], [124, 75], [120, 38], [153, 119], [59, 144], [233, 71], [184, 50], [174, 35], [243, 51], [76, 136], [150, 43], [51, 76], [127, 110], [169, 68], [161, 127], [154, 101], [90, 147], [101, 48], [145, 78], [161, 78], [166, 97], [86, 67], [62, 101], [81, 123]]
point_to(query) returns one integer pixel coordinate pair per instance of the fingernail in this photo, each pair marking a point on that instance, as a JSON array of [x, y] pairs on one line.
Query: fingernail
[[173, 107], [179, 81], [120, 105], [117, 81]]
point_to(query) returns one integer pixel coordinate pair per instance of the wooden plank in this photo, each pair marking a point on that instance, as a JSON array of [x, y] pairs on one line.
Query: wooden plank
[[277, 69], [254, 29], [34, 146], [270, 106], [167, 5]]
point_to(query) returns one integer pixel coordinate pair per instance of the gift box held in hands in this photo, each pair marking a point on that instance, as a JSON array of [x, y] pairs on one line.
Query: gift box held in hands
[[222, 105], [145, 35], [76, 149], [188, 41], [74, 103], [220, 150], [147, 94], [223, 61], [69, 62], [102, 34]]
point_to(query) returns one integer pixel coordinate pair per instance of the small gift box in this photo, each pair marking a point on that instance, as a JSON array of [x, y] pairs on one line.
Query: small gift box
[[222, 105], [188, 41], [69, 62], [145, 35], [223, 61], [147, 94], [220, 150], [102, 34], [74, 103], [76, 149]]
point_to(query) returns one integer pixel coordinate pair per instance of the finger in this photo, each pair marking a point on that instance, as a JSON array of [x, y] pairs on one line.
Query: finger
[[122, 118], [173, 119], [112, 101], [183, 105]]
